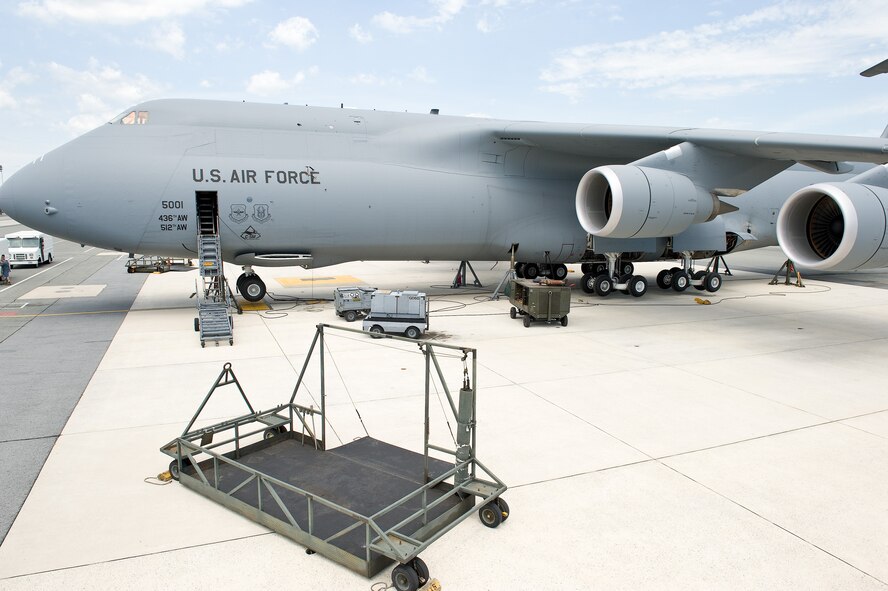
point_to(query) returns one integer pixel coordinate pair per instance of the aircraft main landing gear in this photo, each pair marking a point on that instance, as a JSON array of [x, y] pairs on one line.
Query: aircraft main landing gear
[[250, 285], [681, 278], [603, 279]]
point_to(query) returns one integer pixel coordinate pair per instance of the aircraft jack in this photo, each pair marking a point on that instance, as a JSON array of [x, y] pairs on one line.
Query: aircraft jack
[[714, 264], [460, 279], [790, 268]]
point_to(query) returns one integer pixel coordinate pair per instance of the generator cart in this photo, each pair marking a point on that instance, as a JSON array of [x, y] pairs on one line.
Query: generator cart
[[539, 301], [352, 302]]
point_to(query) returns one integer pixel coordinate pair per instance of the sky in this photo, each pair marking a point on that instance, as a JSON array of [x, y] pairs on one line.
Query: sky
[[68, 66]]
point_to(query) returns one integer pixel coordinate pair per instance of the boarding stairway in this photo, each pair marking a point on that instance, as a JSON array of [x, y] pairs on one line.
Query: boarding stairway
[[214, 320]]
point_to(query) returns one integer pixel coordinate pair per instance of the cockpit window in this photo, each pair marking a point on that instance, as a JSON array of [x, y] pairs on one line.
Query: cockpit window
[[135, 118]]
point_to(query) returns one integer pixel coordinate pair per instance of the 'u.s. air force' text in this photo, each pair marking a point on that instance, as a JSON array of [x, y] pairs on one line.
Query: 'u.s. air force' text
[[308, 176]]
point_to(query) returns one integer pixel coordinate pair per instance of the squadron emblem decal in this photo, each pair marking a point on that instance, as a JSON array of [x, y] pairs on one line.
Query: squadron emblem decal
[[261, 213], [238, 213]]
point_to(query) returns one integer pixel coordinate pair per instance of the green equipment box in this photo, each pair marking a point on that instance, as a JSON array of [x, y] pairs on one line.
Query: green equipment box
[[539, 301]]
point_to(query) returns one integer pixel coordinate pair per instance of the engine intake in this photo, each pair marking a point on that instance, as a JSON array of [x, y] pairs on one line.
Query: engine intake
[[627, 201], [835, 226]]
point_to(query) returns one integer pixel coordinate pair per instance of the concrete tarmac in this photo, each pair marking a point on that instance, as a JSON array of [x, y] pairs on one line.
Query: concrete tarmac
[[653, 443]]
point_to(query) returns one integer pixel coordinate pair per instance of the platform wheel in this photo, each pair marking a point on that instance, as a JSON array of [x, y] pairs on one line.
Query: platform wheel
[[197, 325], [564, 321], [404, 578], [504, 507], [527, 321], [351, 315], [174, 470], [513, 313], [491, 514], [270, 433], [422, 570], [282, 429]]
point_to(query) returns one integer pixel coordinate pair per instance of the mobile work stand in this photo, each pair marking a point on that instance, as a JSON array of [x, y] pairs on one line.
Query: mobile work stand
[[363, 504]]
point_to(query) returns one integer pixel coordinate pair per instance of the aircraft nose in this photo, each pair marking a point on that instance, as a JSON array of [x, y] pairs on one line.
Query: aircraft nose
[[24, 198]]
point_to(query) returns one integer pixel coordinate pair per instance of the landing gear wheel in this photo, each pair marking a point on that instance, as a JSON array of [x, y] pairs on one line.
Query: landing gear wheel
[[519, 270], [350, 315], [638, 286], [588, 283], [240, 281], [586, 268], [664, 279], [564, 321], [531, 270], [699, 275], [252, 288], [604, 285], [421, 569], [513, 313], [712, 282], [491, 514], [559, 272], [412, 332], [627, 268], [404, 578], [527, 321], [503, 505], [680, 281]]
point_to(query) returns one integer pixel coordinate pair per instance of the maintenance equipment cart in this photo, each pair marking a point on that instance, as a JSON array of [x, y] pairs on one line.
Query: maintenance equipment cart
[[352, 302], [539, 301], [363, 504], [404, 312]]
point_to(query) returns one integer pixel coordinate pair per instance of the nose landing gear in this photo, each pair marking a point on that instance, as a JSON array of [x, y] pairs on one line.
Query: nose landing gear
[[250, 285]]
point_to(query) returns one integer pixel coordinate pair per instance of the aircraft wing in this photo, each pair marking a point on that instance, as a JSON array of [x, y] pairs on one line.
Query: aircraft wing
[[635, 142]]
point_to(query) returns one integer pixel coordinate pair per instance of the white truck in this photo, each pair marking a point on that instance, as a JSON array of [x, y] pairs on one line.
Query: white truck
[[29, 248], [405, 312]]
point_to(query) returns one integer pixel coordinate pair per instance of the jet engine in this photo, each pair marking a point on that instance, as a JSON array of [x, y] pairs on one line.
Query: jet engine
[[835, 226], [627, 201]]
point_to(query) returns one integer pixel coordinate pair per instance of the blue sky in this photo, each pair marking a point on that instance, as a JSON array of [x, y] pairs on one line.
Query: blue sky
[[67, 66]]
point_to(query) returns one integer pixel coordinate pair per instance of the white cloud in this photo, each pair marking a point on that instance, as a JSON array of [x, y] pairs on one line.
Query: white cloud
[[119, 12], [297, 32], [420, 74], [269, 83], [101, 92], [368, 80], [778, 43], [6, 99], [358, 33], [15, 77], [445, 11], [167, 38]]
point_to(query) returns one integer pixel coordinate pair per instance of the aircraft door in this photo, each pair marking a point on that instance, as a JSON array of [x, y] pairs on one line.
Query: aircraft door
[[207, 212]]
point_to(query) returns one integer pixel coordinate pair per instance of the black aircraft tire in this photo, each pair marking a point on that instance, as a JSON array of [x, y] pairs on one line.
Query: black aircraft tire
[[531, 270], [680, 281], [587, 283], [664, 279], [627, 268], [604, 285], [701, 276], [638, 286], [252, 288], [559, 272], [712, 282]]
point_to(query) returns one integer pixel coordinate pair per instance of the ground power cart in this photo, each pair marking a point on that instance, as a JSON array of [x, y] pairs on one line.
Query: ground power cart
[[352, 302], [539, 302], [400, 312]]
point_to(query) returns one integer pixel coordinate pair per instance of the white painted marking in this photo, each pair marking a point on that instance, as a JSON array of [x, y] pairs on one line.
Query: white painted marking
[[52, 292], [36, 274]]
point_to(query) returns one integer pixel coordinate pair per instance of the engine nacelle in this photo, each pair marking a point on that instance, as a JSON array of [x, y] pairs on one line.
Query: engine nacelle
[[835, 226], [627, 201]]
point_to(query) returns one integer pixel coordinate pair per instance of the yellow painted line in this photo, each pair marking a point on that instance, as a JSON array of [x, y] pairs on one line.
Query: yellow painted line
[[254, 306], [300, 282]]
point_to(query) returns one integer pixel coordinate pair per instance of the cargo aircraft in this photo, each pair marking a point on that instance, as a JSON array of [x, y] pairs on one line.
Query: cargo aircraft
[[283, 185]]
